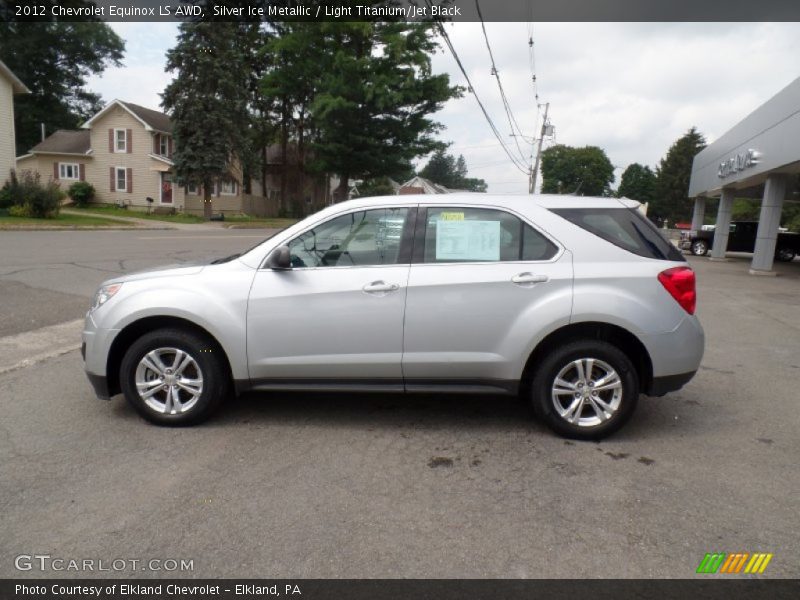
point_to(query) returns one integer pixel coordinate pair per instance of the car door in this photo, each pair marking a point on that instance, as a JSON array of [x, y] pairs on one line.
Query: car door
[[475, 275], [335, 319]]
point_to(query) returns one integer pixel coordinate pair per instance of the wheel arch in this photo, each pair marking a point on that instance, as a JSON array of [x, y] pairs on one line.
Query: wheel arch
[[133, 331], [620, 337]]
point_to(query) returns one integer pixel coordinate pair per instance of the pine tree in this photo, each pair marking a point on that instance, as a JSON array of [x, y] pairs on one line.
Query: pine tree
[[374, 98], [671, 199], [208, 102]]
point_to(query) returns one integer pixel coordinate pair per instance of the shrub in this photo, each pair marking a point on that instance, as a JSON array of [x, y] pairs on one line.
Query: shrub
[[10, 191], [19, 210], [82, 193], [26, 191]]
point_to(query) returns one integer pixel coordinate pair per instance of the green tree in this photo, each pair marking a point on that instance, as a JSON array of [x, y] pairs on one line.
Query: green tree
[[208, 102], [671, 199], [637, 183], [380, 186], [54, 61], [585, 171], [374, 98], [451, 172]]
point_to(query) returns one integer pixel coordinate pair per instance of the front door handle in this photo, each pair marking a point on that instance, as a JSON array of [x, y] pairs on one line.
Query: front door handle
[[380, 286], [523, 278]]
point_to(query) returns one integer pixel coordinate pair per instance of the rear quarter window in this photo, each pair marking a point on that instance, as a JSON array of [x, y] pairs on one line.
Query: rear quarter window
[[626, 228]]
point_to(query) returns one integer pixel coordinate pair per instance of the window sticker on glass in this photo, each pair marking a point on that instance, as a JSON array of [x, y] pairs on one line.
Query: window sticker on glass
[[451, 216], [467, 240]]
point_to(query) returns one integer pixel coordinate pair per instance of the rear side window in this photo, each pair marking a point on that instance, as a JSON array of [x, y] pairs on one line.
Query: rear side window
[[463, 234], [626, 228]]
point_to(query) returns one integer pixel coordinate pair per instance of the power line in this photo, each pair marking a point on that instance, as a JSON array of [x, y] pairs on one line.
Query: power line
[[512, 122], [521, 166]]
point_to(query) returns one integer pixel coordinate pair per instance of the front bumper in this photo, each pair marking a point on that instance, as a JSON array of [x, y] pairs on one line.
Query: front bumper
[[95, 349], [100, 385]]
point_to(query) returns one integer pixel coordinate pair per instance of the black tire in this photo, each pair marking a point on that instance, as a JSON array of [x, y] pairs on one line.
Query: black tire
[[699, 247], [785, 254], [545, 400], [207, 362]]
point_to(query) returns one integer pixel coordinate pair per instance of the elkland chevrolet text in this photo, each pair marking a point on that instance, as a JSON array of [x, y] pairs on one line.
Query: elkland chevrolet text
[[579, 304]]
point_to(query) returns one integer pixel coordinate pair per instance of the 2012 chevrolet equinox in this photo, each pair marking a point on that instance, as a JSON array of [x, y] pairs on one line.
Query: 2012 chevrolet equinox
[[577, 303]]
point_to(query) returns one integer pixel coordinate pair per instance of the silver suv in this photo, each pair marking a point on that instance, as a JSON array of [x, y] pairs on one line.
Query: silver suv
[[579, 304]]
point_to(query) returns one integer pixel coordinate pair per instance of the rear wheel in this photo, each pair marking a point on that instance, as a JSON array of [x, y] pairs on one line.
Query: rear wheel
[[785, 254], [173, 377], [699, 247], [586, 389]]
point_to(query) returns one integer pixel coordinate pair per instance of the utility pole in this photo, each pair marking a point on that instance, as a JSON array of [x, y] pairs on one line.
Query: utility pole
[[535, 170]]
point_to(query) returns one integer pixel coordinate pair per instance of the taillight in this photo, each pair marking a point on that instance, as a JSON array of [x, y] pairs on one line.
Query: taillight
[[680, 283]]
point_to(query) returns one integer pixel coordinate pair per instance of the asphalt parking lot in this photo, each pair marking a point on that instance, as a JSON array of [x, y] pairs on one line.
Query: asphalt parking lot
[[318, 486]]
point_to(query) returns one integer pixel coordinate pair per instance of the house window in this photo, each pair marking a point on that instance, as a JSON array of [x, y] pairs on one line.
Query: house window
[[163, 142], [120, 140], [68, 171], [122, 179], [192, 189], [228, 188]]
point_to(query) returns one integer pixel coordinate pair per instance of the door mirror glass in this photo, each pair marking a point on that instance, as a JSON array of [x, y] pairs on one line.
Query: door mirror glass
[[279, 258]]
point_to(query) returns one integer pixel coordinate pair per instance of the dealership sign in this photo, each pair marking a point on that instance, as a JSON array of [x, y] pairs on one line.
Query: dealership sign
[[737, 163]]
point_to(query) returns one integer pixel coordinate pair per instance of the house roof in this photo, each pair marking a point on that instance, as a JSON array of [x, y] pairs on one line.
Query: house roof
[[152, 120], [64, 141], [426, 185], [155, 119], [16, 84]]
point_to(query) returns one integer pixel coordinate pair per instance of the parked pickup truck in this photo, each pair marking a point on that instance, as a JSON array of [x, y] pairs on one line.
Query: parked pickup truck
[[742, 238]]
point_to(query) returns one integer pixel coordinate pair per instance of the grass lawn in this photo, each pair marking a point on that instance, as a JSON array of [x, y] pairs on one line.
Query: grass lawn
[[114, 211], [61, 220]]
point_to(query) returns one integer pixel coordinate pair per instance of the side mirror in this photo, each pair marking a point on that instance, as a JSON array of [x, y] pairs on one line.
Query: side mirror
[[280, 258]]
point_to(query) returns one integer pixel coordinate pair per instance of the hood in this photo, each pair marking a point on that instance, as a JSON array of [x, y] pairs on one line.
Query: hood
[[176, 270]]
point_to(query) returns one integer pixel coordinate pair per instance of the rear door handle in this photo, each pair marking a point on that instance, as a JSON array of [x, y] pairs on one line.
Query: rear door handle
[[523, 278], [380, 286]]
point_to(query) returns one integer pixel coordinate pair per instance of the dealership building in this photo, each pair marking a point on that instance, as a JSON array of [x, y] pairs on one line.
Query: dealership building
[[758, 158]]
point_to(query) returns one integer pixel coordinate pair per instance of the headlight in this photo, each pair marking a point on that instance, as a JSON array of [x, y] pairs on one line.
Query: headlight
[[104, 294]]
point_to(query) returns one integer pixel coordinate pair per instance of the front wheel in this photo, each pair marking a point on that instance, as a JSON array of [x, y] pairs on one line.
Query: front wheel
[[699, 247], [586, 389], [173, 377], [785, 254]]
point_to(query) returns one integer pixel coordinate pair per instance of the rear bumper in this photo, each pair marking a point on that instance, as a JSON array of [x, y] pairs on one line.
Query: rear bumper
[[668, 383]]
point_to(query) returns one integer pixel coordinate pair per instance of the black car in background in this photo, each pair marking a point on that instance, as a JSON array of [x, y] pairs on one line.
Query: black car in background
[[742, 238]]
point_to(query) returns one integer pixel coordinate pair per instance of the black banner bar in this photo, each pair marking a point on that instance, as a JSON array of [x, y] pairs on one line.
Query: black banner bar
[[409, 10], [380, 589]]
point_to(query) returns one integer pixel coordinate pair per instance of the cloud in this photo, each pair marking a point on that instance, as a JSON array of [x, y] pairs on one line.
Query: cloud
[[630, 88]]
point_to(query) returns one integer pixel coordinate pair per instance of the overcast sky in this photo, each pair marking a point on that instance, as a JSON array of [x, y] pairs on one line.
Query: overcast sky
[[631, 89]]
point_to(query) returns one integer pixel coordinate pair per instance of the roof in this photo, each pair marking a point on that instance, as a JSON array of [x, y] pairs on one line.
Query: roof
[[152, 120], [16, 84], [427, 186], [155, 119], [500, 200], [65, 141]]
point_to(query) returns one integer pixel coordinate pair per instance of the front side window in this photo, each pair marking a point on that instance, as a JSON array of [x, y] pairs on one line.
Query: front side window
[[462, 234], [363, 238], [122, 181], [68, 171], [163, 145], [121, 140]]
